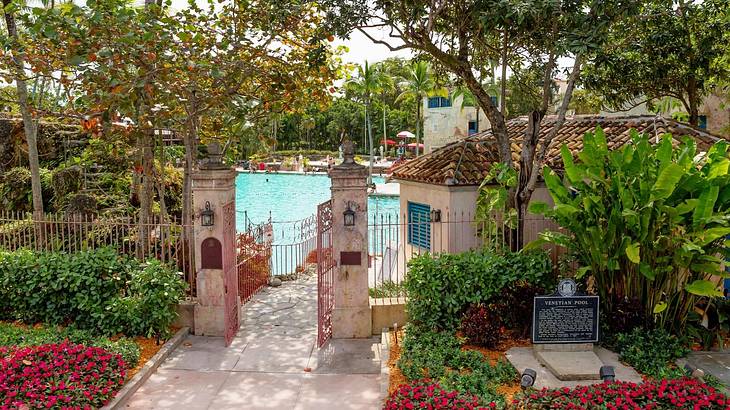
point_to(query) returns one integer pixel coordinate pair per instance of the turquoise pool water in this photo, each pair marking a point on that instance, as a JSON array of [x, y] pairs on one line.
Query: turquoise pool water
[[293, 197]]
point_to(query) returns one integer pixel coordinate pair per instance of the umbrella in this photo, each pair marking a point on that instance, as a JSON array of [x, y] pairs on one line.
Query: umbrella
[[388, 142], [406, 134], [413, 145]]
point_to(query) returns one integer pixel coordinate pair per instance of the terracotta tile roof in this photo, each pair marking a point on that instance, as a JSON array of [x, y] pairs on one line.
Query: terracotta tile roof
[[467, 161]]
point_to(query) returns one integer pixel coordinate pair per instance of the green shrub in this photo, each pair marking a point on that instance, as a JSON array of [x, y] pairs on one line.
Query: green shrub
[[481, 325], [439, 356], [387, 289], [651, 352], [97, 290], [54, 287], [441, 287], [14, 335], [153, 294]]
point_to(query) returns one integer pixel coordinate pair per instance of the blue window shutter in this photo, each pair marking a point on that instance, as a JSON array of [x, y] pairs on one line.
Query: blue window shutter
[[445, 102], [433, 102], [419, 225], [494, 99], [472, 127], [702, 123]]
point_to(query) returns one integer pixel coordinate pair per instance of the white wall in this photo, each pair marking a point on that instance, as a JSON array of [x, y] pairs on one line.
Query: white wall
[[445, 125]]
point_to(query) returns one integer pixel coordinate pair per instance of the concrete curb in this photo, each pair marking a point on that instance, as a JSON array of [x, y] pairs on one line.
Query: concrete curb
[[384, 358], [155, 361]]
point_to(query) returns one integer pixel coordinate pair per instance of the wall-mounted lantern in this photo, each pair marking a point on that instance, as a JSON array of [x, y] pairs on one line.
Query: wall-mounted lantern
[[207, 216], [349, 216], [436, 215]]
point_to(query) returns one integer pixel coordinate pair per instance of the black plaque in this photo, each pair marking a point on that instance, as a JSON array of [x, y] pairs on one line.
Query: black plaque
[[350, 258], [560, 319]]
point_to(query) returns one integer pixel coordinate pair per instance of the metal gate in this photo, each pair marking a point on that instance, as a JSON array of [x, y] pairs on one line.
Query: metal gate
[[325, 273], [230, 276]]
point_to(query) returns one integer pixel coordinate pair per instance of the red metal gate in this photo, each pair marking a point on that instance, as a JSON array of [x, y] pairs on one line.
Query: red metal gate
[[325, 273], [230, 276]]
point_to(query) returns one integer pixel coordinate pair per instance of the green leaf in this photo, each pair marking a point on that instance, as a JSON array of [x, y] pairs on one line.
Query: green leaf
[[667, 181], [705, 205], [557, 190], [712, 234], [537, 207], [571, 170], [632, 252], [660, 307], [703, 288], [582, 271]]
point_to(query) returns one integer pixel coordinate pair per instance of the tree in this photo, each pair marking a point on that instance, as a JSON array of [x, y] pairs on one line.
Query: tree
[[14, 63], [195, 70], [463, 35], [369, 80], [419, 83], [670, 49]]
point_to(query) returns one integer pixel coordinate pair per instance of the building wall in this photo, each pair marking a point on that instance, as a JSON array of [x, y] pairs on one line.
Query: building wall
[[718, 114], [442, 126], [457, 232]]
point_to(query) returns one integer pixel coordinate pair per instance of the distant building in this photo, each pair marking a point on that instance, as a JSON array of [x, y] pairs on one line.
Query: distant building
[[445, 121]]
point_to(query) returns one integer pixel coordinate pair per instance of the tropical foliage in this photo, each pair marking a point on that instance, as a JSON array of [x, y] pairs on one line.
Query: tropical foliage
[[648, 222], [441, 287]]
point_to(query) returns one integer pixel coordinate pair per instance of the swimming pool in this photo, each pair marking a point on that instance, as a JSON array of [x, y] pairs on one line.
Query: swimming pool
[[292, 197]]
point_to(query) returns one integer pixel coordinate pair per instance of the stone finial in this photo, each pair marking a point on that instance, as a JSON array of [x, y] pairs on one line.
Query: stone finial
[[215, 157], [348, 151]]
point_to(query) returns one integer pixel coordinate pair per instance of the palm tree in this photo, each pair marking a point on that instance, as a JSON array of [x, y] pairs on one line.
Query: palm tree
[[419, 83], [368, 81], [386, 84]]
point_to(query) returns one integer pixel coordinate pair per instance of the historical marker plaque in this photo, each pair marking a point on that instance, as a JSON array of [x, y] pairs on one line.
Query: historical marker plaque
[[565, 319]]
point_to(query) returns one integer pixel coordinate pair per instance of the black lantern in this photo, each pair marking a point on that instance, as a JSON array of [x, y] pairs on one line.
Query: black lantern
[[607, 373], [349, 216], [528, 378], [207, 216]]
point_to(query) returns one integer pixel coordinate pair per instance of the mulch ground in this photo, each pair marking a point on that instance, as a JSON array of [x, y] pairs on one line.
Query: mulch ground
[[493, 355], [148, 347]]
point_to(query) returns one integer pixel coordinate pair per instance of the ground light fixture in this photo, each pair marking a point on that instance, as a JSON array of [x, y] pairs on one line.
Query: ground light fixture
[[528, 378], [349, 216], [207, 216], [694, 371], [607, 373]]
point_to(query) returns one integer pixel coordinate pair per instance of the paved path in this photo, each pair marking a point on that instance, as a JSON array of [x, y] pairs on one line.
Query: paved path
[[264, 368]]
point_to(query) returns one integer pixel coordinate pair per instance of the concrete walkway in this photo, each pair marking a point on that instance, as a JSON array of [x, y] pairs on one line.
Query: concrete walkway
[[272, 364]]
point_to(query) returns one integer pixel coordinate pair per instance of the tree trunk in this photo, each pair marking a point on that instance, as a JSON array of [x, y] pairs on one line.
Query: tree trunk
[[503, 81], [30, 127], [693, 99], [370, 141], [145, 193], [190, 138], [418, 125]]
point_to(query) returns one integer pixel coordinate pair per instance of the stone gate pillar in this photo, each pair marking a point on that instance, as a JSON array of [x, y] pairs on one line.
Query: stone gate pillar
[[351, 317], [214, 193]]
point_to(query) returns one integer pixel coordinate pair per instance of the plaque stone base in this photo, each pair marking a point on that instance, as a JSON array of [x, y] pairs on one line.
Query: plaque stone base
[[571, 365], [563, 347]]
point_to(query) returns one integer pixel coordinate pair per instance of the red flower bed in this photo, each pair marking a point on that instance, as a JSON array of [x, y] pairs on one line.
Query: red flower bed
[[424, 394], [60, 375], [683, 393]]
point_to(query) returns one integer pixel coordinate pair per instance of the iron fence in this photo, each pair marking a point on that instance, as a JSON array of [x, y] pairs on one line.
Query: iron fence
[[162, 238], [295, 246], [393, 240]]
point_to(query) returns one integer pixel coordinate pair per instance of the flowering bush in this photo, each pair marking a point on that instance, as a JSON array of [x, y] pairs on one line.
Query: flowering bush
[[682, 393], [424, 394], [60, 375]]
